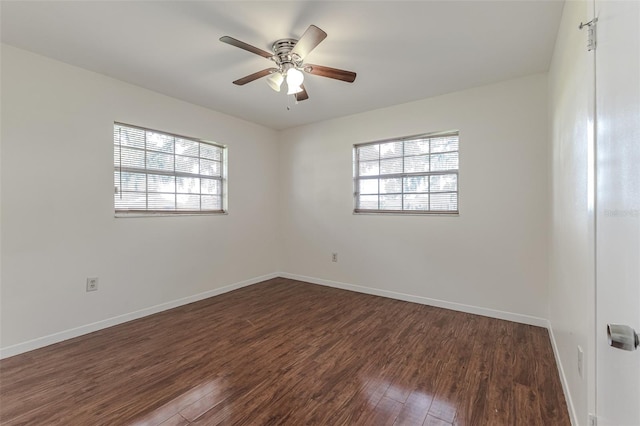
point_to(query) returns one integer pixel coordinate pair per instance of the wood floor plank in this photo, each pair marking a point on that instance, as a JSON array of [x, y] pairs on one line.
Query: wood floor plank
[[385, 413], [176, 420], [500, 408], [527, 406], [553, 406], [414, 410], [434, 421], [288, 352], [362, 403], [472, 408]]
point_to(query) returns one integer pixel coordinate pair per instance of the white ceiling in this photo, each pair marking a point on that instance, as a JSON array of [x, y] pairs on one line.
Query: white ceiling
[[401, 51]]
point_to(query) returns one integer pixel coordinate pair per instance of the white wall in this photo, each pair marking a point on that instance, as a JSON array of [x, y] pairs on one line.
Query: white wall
[[571, 254], [493, 256], [58, 225]]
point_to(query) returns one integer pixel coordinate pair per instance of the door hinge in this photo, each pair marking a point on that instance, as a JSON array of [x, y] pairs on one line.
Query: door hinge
[[591, 33], [593, 420]]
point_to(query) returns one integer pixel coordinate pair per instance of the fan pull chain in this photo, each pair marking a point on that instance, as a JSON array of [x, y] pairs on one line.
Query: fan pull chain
[[289, 105]]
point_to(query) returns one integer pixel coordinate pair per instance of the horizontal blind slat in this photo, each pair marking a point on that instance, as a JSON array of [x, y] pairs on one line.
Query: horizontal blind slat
[[164, 173]]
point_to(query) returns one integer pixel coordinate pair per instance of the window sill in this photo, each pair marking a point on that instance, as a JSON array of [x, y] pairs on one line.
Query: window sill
[[168, 214], [404, 213]]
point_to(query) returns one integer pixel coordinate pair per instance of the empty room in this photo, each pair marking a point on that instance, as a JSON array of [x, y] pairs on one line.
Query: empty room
[[320, 212]]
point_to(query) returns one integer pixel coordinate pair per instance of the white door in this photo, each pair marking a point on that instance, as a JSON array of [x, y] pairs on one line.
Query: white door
[[617, 207]]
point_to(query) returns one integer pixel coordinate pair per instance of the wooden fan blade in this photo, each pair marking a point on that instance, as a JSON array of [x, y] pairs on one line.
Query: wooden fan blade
[[254, 76], [309, 40], [336, 73], [302, 96], [242, 45]]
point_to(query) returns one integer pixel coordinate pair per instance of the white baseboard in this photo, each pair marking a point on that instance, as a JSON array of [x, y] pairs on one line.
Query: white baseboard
[[509, 316], [109, 322], [563, 378]]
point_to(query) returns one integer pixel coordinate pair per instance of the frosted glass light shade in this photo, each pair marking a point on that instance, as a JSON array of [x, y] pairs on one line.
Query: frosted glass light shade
[[275, 81], [294, 77], [294, 81], [293, 89]]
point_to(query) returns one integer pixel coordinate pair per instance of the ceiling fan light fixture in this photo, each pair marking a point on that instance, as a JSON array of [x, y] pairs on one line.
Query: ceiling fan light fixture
[[275, 81], [294, 77], [293, 89]]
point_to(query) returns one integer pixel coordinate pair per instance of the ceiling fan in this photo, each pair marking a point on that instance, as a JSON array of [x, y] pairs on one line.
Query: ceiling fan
[[288, 55]]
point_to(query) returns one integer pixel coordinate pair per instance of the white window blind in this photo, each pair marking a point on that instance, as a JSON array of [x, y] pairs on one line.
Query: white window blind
[[415, 175], [158, 172]]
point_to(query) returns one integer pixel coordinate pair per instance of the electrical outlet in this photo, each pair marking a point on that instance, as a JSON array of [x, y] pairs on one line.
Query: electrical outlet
[[334, 257], [92, 284], [593, 420], [580, 360]]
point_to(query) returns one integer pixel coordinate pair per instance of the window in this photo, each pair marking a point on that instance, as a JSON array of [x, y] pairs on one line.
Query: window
[[414, 175], [157, 172]]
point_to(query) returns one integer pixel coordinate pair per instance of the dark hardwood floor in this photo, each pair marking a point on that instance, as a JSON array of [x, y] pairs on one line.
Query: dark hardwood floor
[[287, 352]]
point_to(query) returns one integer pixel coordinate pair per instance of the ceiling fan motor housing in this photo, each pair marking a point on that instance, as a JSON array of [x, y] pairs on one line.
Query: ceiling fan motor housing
[[282, 54]]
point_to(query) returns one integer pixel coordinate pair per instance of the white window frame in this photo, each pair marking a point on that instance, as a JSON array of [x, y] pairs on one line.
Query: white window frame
[[357, 178], [119, 169]]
